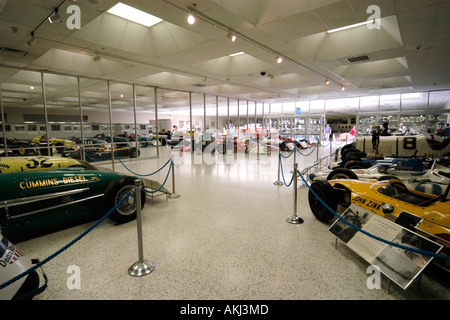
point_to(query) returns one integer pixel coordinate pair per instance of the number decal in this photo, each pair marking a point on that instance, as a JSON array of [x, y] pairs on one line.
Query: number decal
[[39, 163]]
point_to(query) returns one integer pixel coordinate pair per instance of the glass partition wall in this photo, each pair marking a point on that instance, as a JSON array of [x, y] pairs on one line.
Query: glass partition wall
[[47, 113]]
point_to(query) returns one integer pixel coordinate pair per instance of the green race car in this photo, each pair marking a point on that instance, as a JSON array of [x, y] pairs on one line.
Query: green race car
[[33, 203]]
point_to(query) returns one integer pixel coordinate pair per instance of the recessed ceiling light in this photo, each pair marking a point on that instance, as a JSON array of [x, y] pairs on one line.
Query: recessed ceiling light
[[133, 14], [191, 19], [236, 54], [279, 59], [350, 26]]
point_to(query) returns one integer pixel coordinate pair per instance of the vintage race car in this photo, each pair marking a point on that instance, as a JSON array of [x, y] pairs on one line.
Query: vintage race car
[[60, 144], [426, 214], [17, 147], [105, 152], [38, 163], [288, 144], [40, 202], [404, 146], [433, 180]]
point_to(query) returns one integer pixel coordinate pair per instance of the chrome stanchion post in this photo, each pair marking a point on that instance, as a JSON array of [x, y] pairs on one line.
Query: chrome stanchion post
[[141, 267], [279, 182], [173, 195], [294, 219]]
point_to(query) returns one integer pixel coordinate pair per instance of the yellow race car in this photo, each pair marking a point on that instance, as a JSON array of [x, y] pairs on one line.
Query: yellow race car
[[19, 164], [426, 214], [59, 143]]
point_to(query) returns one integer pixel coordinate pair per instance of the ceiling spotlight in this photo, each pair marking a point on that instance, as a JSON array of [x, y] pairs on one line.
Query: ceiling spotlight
[[191, 19], [342, 88], [231, 37], [279, 59], [327, 82], [32, 40], [55, 17]]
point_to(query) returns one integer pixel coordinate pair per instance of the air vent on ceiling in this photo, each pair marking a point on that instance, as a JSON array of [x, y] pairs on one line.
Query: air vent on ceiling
[[13, 51], [358, 59]]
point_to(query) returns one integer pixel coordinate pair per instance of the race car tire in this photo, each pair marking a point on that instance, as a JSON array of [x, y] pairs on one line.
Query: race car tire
[[342, 173], [115, 192], [349, 158], [356, 164], [352, 154], [134, 153], [382, 178], [324, 191], [346, 147], [348, 150]]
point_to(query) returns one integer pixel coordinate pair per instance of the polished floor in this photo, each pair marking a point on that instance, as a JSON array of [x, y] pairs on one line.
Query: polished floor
[[225, 238]]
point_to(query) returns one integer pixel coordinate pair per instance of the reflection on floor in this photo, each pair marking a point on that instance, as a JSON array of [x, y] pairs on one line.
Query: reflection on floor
[[226, 237]]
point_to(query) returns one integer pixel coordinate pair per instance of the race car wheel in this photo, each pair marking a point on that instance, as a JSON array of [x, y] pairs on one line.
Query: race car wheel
[[355, 164], [134, 153], [348, 146], [116, 192], [325, 192], [342, 173]]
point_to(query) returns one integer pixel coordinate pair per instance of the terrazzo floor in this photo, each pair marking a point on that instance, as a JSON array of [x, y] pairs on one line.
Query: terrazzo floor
[[225, 238]]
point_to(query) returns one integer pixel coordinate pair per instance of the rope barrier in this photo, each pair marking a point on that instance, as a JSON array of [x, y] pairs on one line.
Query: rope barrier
[[142, 175], [41, 263], [165, 180], [282, 174], [305, 155], [427, 253], [292, 151]]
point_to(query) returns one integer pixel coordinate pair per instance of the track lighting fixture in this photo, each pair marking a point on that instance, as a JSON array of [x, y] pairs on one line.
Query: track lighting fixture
[[55, 17], [191, 19], [279, 59], [327, 82], [342, 88], [231, 36], [32, 40]]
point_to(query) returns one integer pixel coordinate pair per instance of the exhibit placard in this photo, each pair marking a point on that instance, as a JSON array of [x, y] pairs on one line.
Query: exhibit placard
[[400, 265]]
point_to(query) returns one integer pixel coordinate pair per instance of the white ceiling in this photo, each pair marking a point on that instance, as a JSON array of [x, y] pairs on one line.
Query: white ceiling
[[409, 53]]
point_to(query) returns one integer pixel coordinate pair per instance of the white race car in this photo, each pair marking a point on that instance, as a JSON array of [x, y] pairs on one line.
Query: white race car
[[433, 180]]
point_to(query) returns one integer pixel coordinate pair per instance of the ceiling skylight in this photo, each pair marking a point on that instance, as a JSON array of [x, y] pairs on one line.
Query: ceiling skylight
[[133, 14]]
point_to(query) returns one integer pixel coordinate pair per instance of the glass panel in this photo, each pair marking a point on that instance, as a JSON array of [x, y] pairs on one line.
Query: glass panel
[[146, 122], [23, 112], [390, 103], [95, 109], [211, 112], [63, 113], [439, 112], [317, 107], [173, 112], [233, 116]]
